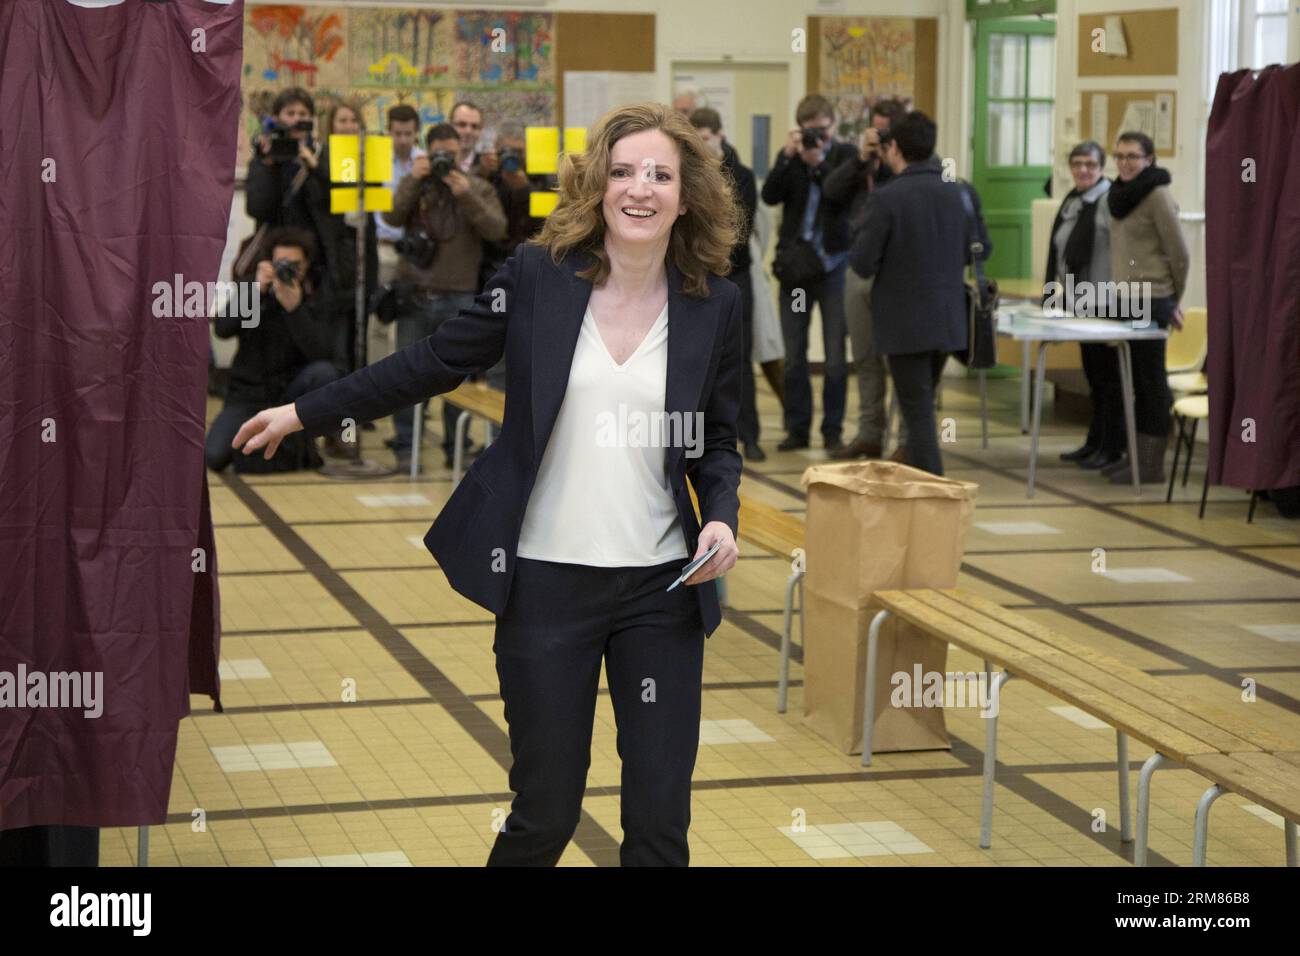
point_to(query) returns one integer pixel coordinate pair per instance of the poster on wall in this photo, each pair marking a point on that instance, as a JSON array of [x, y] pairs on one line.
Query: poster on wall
[[714, 90], [374, 58], [589, 94], [861, 61]]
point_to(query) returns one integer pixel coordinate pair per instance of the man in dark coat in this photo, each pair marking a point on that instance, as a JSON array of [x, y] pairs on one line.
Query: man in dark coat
[[915, 242], [811, 251], [708, 123]]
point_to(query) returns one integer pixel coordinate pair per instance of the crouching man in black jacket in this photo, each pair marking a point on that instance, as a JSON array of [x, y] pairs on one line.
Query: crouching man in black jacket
[[289, 347]]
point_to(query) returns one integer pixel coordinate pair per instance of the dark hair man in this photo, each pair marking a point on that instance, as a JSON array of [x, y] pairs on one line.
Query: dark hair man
[[812, 248], [915, 244]]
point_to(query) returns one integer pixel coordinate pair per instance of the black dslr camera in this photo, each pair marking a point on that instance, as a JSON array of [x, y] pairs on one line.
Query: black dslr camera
[[416, 248], [286, 270], [283, 145], [511, 160], [443, 162], [811, 140]]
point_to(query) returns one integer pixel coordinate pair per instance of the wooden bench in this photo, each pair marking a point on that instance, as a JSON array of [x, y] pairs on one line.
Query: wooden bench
[[772, 530], [472, 398], [1233, 752]]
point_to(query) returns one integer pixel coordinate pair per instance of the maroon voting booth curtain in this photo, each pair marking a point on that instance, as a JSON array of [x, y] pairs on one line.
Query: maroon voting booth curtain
[[1252, 264], [118, 129]]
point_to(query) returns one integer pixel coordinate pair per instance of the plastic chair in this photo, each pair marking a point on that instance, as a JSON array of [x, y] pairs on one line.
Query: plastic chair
[[1185, 355]]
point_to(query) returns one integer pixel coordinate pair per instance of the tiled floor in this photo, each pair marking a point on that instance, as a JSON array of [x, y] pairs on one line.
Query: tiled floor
[[362, 725]]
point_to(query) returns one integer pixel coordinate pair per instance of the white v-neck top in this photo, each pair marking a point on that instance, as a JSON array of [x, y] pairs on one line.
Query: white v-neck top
[[601, 497]]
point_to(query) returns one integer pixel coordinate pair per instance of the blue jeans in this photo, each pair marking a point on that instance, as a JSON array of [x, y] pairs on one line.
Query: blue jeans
[[828, 293], [411, 328]]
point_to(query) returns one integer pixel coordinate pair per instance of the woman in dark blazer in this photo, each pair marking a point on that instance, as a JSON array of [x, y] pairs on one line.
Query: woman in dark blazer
[[573, 524]]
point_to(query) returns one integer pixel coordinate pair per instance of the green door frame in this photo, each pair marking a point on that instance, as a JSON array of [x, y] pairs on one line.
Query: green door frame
[[1006, 191]]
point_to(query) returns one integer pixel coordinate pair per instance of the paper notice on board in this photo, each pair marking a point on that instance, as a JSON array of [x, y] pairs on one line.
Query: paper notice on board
[[1139, 116], [1164, 121], [1099, 122], [588, 95]]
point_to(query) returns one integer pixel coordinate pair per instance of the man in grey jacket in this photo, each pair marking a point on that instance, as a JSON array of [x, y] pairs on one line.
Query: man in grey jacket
[[915, 243]]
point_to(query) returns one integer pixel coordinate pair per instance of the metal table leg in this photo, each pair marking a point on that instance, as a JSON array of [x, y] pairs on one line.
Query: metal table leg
[[1292, 858], [1040, 376], [1025, 374], [1125, 817], [1126, 386], [1203, 823], [142, 847], [416, 427], [990, 763], [984, 409], [869, 709], [1144, 807], [783, 681]]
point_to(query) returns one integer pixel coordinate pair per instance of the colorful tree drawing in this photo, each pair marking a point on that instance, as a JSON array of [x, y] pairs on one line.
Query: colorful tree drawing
[[296, 43]]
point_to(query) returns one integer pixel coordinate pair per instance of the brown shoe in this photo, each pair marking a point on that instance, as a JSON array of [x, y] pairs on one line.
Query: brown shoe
[[856, 449]]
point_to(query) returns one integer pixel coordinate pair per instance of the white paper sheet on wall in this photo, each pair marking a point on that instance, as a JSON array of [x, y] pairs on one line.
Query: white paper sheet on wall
[[1099, 122], [1139, 116], [588, 95], [1164, 121], [715, 90]]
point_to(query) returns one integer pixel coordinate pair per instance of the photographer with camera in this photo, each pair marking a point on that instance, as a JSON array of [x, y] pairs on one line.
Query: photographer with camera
[[281, 189], [290, 349], [811, 251], [850, 185], [447, 215]]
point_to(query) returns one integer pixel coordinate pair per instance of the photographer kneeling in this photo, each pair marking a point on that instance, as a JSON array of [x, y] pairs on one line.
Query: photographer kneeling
[[447, 215], [286, 349]]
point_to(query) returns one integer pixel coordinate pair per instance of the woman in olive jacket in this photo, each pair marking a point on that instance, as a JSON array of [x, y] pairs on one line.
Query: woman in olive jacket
[[1147, 246]]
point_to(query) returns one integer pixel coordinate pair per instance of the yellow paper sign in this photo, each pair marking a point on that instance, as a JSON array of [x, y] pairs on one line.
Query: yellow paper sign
[[541, 149], [575, 139], [378, 198], [379, 160], [343, 199], [345, 155], [542, 203]]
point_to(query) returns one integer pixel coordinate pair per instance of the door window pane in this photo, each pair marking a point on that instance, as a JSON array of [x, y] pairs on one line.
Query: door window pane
[[1042, 67], [1006, 131], [1039, 150], [1006, 65]]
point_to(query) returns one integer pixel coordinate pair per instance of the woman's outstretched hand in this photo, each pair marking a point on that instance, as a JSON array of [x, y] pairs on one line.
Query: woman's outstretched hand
[[722, 561], [268, 428]]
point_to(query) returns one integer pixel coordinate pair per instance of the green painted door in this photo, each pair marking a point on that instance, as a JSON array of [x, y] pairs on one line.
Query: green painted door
[[1015, 79]]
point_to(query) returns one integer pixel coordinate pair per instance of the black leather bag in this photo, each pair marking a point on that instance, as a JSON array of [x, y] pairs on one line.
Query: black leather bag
[[981, 300], [797, 264]]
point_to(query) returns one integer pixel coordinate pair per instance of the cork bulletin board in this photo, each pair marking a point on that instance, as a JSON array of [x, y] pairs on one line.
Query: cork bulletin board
[[602, 42], [1111, 112], [1151, 38]]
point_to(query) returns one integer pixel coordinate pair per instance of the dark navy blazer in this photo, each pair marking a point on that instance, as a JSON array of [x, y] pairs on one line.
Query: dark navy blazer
[[531, 311]]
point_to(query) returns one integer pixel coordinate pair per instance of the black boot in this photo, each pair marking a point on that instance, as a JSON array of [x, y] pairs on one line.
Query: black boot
[[1085, 450], [1101, 458]]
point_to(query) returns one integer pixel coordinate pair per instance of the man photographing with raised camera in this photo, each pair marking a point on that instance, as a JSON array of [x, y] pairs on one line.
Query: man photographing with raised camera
[[294, 346], [446, 215]]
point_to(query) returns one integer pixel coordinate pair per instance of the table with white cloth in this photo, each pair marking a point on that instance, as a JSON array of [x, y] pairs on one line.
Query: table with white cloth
[[1031, 324]]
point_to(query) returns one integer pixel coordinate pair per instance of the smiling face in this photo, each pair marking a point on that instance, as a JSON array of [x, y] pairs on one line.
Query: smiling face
[[1086, 170], [1130, 159], [643, 190]]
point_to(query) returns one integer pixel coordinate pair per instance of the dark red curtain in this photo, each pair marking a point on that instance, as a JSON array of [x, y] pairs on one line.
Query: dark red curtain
[[118, 129], [1252, 262]]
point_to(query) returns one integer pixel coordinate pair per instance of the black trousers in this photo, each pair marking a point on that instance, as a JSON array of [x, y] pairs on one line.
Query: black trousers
[[915, 377], [1107, 430], [560, 621], [1151, 396]]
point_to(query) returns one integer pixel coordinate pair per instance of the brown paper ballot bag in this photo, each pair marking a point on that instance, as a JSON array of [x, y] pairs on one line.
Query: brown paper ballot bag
[[875, 526]]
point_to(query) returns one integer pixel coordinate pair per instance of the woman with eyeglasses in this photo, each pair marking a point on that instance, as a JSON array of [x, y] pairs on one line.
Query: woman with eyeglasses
[[1080, 247], [1147, 246]]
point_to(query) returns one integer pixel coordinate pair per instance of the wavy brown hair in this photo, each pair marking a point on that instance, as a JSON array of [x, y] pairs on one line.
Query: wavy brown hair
[[702, 238]]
